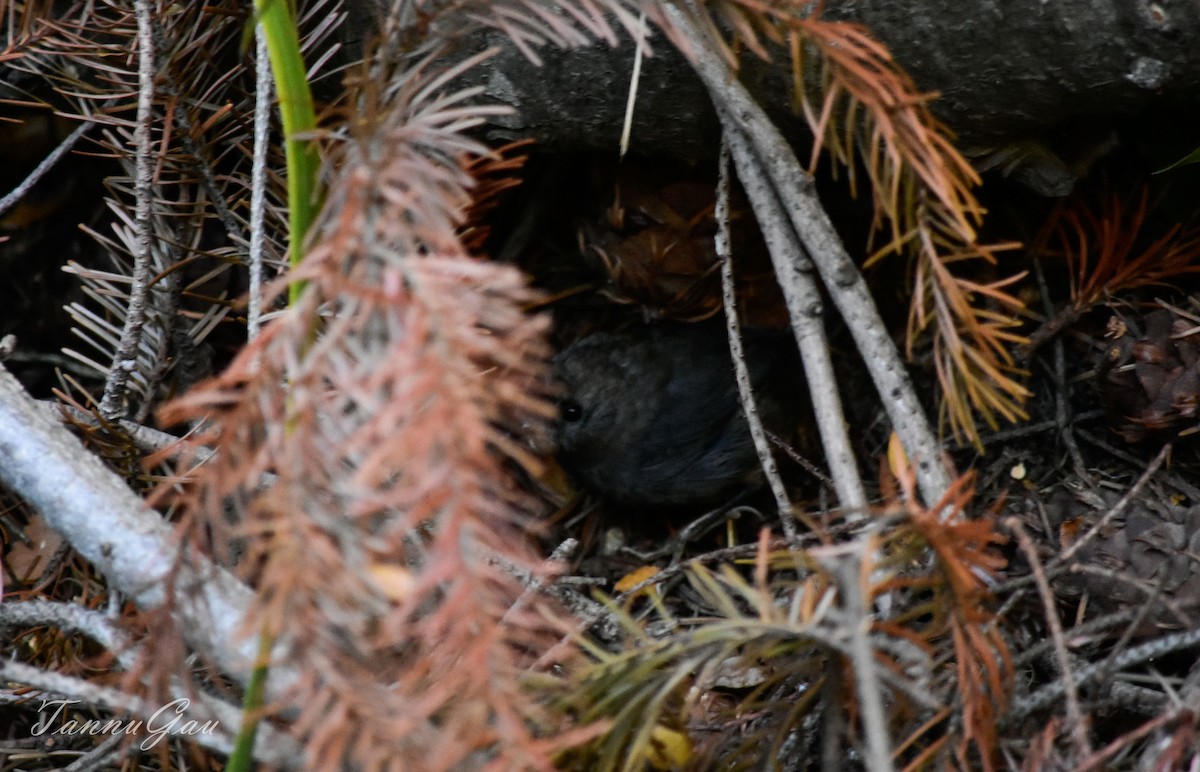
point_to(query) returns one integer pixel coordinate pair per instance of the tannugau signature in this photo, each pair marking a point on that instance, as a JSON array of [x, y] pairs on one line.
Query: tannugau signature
[[170, 719]]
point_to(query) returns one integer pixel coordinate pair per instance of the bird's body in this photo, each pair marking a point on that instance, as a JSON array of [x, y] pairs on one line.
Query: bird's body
[[652, 417]]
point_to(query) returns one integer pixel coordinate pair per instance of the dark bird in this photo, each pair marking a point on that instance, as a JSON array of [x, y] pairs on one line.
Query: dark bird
[[651, 417]]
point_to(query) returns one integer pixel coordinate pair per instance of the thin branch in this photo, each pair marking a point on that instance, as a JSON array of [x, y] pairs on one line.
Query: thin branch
[[1116, 509], [536, 583], [125, 359], [1100, 760], [275, 748], [186, 132], [263, 91], [1061, 395], [272, 748], [1079, 724], [846, 565], [634, 79], [1145, 652], [91, 693], [106, 755], [738, 353], [72, 617], [1084, 631], [146, 439], [46, 165], [1170, 478]]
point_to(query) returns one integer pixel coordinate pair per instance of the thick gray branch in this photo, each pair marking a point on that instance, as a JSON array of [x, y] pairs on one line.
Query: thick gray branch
[[113, 528]]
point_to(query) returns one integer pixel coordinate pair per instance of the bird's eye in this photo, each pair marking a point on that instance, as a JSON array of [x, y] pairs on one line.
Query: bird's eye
[[571, 410]]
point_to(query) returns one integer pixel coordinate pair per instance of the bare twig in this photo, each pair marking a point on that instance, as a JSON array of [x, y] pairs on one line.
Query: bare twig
[[1085, 630], [91, 693], [1174, 480], [125, 360], [46, 165], [1116, 509], [536, 582], [272, 746], [200, 165], [106, 631], [71, 617], [738, 353], [1145, 652], [845, 564], [634, 79], [1028, 430], [1061, 401], [106, 755], [1101, 758], [1079, 726], [147, 440], [263, 91]]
